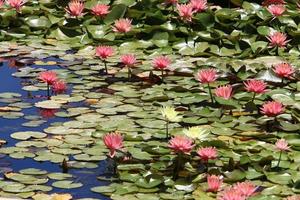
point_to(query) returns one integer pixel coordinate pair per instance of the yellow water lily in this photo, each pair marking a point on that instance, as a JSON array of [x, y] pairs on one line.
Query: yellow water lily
[[170, 114], [197, 132]]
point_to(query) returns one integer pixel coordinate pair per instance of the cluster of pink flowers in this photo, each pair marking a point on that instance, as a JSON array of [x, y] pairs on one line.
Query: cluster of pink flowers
[[239, 191], [75, 8], [271, 108], [51, 79], [186, 11], [183, 144]]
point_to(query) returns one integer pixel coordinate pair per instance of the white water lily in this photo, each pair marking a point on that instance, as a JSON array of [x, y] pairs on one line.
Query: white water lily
[[170, 114], [197, 132]]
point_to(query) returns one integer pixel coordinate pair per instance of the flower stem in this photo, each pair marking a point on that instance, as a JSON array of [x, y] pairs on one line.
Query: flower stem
[[162, 75], [129, 73], [105, 65], [178, 165], [210, 93], [279, 158], [254, 94]]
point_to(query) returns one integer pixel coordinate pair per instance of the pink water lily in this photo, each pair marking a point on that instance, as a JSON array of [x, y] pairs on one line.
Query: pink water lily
[[59, 87], [284, 70], [282, 145], [75, 8], [214, 183], [113, 141], [16, 4], [199, 5], [100, 10], [48, 77], [272, 108], [185, 11], [256, 86], [181, 144], [122, 25], [278, 39], [224, 92], [276, 10], [207, 153]]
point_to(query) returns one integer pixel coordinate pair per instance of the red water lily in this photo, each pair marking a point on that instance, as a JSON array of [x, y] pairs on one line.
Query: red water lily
[[283, 70], [270, 2], [75, 8], [185, 11], [16, 4], [113, 141], [59, 87], [122, 25], [214, 183], [206, 75], [256, 86], [207, 153], [48, 77], [276, 10], [181, 144], [272, 108], [100, 10], [224, 92], [278, 39], [199, 5]]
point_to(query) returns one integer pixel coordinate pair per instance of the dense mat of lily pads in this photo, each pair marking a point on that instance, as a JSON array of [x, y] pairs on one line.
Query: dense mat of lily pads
[[172, 119]]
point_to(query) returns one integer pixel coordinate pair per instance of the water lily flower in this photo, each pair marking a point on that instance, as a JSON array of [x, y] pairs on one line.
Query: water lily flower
[[207, 76], [270, 2], [47, 113], [129, 61], [100, 10], [207, 153], [122, 25], [272, 108], [170, 115], [230, 194], [181, 144], [197, 132], [199, 5], [59, 87], [283, 70], [282, 145], [276, 10], [214, 183], [161, 63], [16, 4], [75, 8], [113, 141], [103, 52], [255, 86], [1, 3], [278, 39], [246, 188], [224, 92], [48, 77], [185, 11]]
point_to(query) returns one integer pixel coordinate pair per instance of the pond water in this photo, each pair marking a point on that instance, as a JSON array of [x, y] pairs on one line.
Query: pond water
[[88, 177]]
